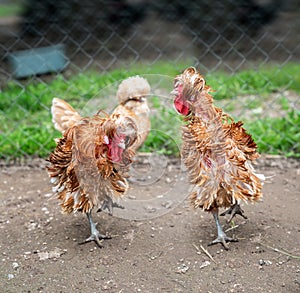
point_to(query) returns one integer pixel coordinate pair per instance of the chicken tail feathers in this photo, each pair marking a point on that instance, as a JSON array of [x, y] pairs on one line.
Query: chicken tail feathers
[[63, 115]]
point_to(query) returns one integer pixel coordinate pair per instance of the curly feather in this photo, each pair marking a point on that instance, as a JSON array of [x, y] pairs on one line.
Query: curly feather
[[217, 151], [80, 167]]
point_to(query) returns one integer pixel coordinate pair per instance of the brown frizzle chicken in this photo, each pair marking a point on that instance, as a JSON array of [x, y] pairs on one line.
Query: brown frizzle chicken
[[132, 95], [217, 152], [89, 165]]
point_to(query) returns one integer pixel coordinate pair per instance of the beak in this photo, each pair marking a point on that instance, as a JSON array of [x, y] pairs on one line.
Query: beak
[[174, 92], [138, 98], [122, 145], [106, 140]]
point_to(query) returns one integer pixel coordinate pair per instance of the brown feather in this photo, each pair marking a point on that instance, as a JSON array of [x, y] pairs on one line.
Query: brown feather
[[132, 93], [63, 115], [216, 150], [83, 174]]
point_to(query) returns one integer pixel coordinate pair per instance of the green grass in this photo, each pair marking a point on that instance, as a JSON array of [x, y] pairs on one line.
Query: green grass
[[165, 135], [26, 128], [278, 135], [11, 9], [262, 81]]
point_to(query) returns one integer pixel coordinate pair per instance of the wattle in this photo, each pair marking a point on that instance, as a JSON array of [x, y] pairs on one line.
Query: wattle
[[115, 152], [181, 106], [115, 149]]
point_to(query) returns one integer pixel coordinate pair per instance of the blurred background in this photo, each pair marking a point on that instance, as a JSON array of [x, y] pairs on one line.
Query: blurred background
[[75, 48], [107, 34]]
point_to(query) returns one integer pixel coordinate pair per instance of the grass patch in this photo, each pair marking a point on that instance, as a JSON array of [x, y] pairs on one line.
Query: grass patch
[[26, 128], [277, 135], [261, 81], [12, 9]]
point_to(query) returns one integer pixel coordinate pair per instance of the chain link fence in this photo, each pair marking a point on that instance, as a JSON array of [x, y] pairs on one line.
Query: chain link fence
[[230, 35]]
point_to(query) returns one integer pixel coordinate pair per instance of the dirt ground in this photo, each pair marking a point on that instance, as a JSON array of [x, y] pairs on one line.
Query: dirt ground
[[157, 240]]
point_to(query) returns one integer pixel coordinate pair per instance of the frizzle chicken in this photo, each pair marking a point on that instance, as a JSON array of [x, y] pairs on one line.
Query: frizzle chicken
[[217, 152], [89, 165], [132, 95]]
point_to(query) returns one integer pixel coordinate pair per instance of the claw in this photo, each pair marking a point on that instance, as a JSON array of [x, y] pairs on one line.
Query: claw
[[234, 210], [109, 205], [95, 235], [117, 205], [222, 237], [223, 240]]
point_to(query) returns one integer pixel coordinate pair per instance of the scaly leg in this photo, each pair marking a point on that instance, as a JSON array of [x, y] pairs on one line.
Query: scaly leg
[[234, 210], [109, 205], [95, 235], [222, 237]]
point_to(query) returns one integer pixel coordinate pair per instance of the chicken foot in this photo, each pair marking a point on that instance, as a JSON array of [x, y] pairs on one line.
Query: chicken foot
[[222, 237], [234, 210], [95, 234], [109, 205]]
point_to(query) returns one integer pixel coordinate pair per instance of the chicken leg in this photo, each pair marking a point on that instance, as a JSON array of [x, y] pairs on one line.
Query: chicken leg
[[95, 235], [222, 237], [232, 211], [109, 205]]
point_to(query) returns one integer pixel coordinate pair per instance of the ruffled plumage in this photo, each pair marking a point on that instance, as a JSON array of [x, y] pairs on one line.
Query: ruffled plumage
[[132, 95], [80, 168], [217, 151]]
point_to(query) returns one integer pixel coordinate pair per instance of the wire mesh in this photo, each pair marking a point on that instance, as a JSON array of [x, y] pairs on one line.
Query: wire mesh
[[100, 36]]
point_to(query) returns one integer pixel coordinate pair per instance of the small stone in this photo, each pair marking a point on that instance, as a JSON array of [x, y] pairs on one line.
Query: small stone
[[204, 264], [150, 209], [262, 262], [10, 276], [54, 254], [167, 204], [182, 269]]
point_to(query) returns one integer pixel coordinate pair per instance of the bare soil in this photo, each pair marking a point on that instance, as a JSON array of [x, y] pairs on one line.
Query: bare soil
[[157, 240]]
